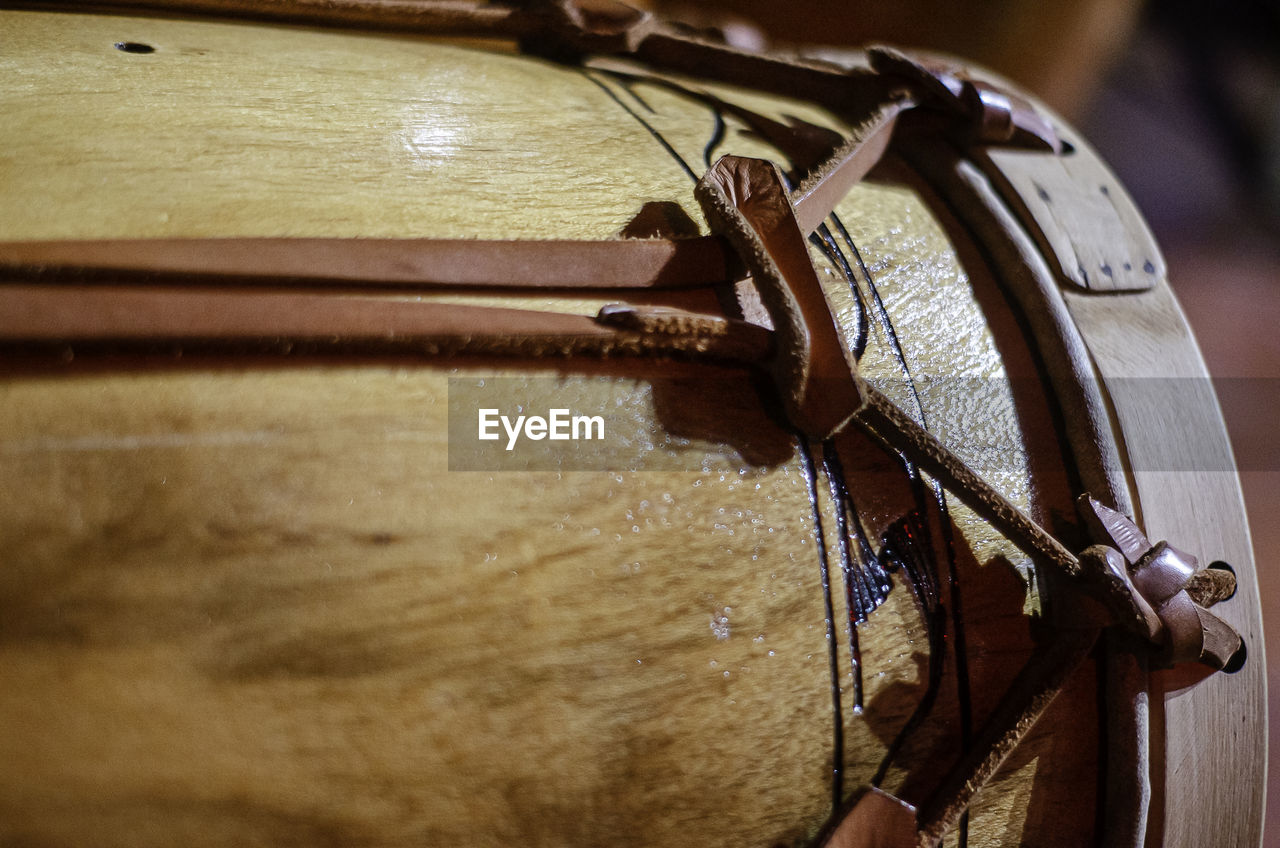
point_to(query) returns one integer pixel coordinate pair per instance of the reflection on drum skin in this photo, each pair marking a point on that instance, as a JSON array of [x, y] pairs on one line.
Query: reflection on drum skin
[[254, 595]]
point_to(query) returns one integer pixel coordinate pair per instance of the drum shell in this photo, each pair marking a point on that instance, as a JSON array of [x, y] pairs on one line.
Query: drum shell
[[431, 650]]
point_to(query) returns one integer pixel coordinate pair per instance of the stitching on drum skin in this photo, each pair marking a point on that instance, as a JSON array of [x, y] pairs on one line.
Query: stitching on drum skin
[[657, 136], [860, 601], [717, 137], [822, 239], [811, 476]]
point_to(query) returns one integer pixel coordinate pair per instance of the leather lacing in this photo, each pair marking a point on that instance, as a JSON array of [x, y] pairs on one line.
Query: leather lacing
[[318, 291]]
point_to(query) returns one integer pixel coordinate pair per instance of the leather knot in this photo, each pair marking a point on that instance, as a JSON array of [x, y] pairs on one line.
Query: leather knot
[[1149, 588], [988, 112]]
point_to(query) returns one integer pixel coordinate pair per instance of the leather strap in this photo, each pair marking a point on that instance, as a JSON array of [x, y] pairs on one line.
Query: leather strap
[[1031, 693], [853, 160], [130, 315], [884, 419], [424, 263]]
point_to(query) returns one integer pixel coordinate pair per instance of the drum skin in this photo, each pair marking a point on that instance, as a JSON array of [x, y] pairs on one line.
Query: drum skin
[[252, 599]]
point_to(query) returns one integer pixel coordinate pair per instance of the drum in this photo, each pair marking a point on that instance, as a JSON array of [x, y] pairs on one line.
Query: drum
[[540, 425]]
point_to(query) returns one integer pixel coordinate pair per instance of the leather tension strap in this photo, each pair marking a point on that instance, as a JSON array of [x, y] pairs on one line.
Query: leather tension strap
[[129, 315], [422, 263], [817, 377]]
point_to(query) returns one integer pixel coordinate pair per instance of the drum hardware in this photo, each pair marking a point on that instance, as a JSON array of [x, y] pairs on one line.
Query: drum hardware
[[1155, 591]]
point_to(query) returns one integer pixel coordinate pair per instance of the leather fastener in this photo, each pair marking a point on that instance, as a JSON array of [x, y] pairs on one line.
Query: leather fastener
[[1150, 587], [747, 202], [990, 112]]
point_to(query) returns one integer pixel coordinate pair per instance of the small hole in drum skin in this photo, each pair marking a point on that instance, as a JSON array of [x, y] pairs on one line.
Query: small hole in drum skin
[[134, 47]]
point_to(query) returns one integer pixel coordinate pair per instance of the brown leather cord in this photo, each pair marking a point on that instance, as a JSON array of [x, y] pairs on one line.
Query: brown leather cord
[[423, 263], [575, 28], [884, 418], [822, 190], [126, 315], [1035, 688]]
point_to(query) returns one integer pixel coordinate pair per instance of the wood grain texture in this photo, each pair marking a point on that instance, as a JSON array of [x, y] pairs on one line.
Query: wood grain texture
[[241, 606]]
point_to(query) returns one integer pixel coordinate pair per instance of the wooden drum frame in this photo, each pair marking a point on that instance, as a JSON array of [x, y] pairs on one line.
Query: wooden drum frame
[[861, 333]]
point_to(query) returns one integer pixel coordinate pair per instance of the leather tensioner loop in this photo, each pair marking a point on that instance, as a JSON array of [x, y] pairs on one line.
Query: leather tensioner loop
[[747, 202]]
